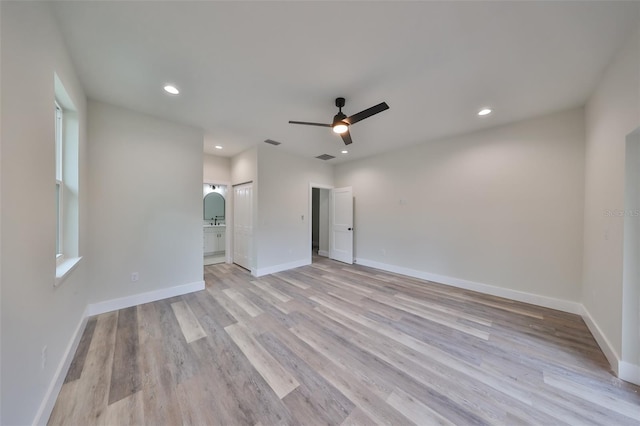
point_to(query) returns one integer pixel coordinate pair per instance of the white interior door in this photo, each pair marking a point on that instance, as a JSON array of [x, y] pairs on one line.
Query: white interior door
[[341, 225], [243, 225]]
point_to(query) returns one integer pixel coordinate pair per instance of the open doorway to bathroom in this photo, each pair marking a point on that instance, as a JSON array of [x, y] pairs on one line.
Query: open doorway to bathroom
[[319, 221], [214, 231]]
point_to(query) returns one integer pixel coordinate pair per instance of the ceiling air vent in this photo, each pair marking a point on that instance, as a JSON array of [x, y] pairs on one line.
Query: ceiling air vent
[[325, 157], [272, 142]]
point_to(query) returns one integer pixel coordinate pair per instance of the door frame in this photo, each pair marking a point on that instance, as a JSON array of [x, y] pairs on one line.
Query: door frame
[[310, 216], [228, 217]]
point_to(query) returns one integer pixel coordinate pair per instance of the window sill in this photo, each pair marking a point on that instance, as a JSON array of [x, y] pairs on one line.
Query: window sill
[[64, 269]]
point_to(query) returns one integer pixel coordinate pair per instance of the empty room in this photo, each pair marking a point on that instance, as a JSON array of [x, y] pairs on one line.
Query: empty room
[[319, 212]]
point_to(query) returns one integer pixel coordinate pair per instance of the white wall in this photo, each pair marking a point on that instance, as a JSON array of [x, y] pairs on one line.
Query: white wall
[[146, 203], [216, 169], [244, 167], [33, 312], [500, 207], [612, 112], [282, 232]]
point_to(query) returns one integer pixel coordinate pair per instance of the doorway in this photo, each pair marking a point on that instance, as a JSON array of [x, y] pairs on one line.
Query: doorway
[[214, 227], [319, 222], [331, 224]]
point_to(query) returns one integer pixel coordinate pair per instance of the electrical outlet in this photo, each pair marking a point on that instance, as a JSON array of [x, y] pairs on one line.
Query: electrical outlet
[[43, 356], [134, 277]]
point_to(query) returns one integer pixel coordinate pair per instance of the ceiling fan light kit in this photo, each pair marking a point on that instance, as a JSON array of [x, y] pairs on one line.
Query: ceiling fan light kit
[[340, 127], [341, 122]]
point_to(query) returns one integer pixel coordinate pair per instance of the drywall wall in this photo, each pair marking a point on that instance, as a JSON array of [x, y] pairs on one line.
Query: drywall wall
[[613, 112], [145, 203], [34, 314], [500, 207], [244, 167], [216, 169], [282, 236]]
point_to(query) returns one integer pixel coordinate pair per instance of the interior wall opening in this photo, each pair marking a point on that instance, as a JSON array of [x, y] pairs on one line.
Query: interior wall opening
[[214, 226], [319, 222]]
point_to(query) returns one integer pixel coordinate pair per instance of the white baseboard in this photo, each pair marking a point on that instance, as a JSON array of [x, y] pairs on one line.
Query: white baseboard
[[49, 401], [520, 296], [282, 267], [603, 342], [324, 253], [142, 298], [629, 372], [624, 370]]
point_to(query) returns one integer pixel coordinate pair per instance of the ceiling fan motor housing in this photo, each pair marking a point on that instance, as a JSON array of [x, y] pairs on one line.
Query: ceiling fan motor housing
[[340, 116]]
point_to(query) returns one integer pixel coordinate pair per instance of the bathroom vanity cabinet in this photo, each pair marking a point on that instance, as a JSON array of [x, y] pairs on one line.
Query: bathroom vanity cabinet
[[214, 239]]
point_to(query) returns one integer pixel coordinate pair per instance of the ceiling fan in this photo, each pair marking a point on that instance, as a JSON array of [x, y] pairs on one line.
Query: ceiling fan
[[341, 122]]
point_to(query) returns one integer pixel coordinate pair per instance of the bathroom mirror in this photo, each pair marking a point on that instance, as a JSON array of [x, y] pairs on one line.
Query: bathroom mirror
[[214, 207]]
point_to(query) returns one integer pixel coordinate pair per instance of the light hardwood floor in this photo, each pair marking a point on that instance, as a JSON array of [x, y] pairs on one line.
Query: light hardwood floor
[[337, 344]]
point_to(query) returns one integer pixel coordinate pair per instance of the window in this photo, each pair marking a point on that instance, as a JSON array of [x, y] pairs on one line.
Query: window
[[67, 194], [59, 184]]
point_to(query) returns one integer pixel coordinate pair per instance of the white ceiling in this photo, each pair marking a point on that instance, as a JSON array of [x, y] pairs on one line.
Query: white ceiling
[[246, 68]]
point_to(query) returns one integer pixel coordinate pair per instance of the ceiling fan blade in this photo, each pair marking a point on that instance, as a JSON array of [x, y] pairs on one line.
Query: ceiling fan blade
[[367, 113], [306, 123], [346, 137]]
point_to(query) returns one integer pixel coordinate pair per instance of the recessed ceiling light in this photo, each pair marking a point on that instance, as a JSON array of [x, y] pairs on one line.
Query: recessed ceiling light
[[171, 89], [344, 151], [218, 147], [484, 111]]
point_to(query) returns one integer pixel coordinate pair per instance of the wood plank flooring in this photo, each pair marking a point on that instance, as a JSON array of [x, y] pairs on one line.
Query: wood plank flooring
[[336, 344]]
